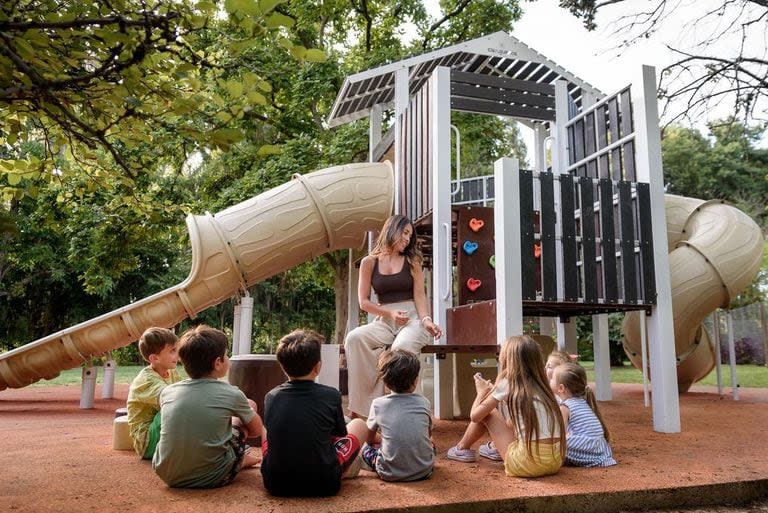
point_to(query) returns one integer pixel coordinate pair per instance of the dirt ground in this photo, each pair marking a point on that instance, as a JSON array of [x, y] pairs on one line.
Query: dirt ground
[[58, 458]]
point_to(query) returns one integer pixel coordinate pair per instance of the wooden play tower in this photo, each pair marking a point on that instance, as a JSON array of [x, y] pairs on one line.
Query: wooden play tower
[[584, 234]]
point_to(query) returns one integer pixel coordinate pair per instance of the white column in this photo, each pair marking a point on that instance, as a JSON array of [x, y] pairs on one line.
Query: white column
[[732, 357], [539, 153], [108, 383], [236, 330], [246, 324], [401, 104], [88, 388], [442, 272], [602, 354], [329, 370], [506, 218], [353, 305], [718, 357], [374, 130], [665, 398], [567, 339]]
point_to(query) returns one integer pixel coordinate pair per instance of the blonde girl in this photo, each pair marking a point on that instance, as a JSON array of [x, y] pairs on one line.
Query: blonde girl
[[393, 270], [587, 435], [519, 412], [554, 359]]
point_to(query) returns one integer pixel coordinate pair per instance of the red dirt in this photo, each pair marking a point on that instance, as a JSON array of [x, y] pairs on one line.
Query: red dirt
[[56, 457]]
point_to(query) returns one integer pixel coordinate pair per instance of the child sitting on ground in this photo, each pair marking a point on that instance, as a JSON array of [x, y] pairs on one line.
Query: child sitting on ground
[[305, 446], [528, 428], [200, 445], [403, 417], [158, 348], [555, 358], [587, 435]]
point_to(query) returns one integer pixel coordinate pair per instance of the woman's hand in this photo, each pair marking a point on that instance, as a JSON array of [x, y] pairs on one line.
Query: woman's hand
[[432, 328], [399, 317]]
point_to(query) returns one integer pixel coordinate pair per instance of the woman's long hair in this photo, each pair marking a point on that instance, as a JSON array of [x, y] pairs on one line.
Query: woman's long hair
[[574, 378], [522, 364], [391, 233]]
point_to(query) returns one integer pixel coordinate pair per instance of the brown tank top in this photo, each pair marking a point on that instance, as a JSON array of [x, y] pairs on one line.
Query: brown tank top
[[391, 288]]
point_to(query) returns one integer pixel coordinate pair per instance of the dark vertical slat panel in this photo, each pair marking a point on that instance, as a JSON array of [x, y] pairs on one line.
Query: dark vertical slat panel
[[567, 207], [627, 242], [588, 240], [646, 243], [528, 262], [613, 130], [608, 236], [629, 160], [548, 268], [403, 159], [411, 144], [429, 138], [571, 147]]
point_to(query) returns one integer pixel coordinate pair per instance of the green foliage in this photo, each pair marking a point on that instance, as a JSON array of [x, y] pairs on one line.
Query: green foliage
[[585, 340]]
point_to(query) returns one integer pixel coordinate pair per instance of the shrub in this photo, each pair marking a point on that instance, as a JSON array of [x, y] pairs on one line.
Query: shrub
[[748, 350]]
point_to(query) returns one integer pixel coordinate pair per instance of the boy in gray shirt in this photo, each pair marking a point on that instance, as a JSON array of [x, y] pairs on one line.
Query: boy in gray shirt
[[404, 421]]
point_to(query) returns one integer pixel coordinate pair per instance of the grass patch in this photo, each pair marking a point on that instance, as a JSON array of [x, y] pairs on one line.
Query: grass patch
[[124, 374], [751, 376]]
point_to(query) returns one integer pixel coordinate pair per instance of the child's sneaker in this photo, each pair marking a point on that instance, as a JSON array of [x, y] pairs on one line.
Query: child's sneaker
[[465, 455], [488, 450]]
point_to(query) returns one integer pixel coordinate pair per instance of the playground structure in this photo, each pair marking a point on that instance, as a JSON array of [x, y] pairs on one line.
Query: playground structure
[[583, 235], [586, 234]]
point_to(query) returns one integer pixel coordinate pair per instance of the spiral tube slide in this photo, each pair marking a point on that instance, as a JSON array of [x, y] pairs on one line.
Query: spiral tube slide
[[715, 251], [312, 214]]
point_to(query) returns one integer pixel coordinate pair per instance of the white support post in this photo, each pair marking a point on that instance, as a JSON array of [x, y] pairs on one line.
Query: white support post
[[236, 316], [353, 305], [108, 383], [644, 357], [539, 152], [246, 324], [88, 388], [718, 357], [559, 163], [442, 258], [506, 218], [329, 370], [374, 130], [546, 326], [665, 397], [732, 357], [402, 94], [567, 339], [601, 350]]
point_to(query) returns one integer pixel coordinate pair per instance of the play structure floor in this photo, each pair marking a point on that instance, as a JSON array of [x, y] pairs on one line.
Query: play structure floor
[[58, 458]]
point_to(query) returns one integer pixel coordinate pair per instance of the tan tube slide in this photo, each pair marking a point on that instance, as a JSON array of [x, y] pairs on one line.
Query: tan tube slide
[[312, 214], [715, 252]]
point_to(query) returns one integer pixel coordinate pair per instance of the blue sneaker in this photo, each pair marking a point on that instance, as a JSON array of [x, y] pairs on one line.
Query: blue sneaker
[[464, 455], [488, 450]]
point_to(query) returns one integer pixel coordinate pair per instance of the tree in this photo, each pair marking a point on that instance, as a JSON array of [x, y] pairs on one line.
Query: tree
[[702, 76], [125, 77]]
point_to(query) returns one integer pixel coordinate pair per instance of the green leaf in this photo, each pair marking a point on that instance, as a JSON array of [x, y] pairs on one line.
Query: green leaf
[[242, 7], [234, 88], [265, 86], [285, 43], [226, 136], [14, 179], [266, 6], [277, 20], [315, 55], [299, 52], [256, 98], [269, 149]]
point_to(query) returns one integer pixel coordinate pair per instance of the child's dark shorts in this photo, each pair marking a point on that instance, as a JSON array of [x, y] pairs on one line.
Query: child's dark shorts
[[237, 442], [346, 447]]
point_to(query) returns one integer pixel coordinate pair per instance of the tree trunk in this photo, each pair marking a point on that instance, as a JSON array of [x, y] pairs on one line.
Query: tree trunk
[[341, 289]]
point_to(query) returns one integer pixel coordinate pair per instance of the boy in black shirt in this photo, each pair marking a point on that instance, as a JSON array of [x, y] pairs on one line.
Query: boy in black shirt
[[306, 446]]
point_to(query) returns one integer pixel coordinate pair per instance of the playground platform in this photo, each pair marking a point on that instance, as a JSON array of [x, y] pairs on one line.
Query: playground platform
[[58, 458]]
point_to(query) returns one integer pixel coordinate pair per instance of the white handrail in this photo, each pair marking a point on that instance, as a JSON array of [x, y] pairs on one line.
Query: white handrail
[[458, 160]]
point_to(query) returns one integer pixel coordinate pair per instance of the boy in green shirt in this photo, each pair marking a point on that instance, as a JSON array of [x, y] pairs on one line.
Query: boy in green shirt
[[158, 348]]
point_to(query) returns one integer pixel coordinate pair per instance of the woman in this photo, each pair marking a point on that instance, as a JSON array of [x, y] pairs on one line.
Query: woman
[[393, 270]]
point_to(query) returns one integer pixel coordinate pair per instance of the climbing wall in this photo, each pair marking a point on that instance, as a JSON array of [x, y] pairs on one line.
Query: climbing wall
[[475, 254]]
